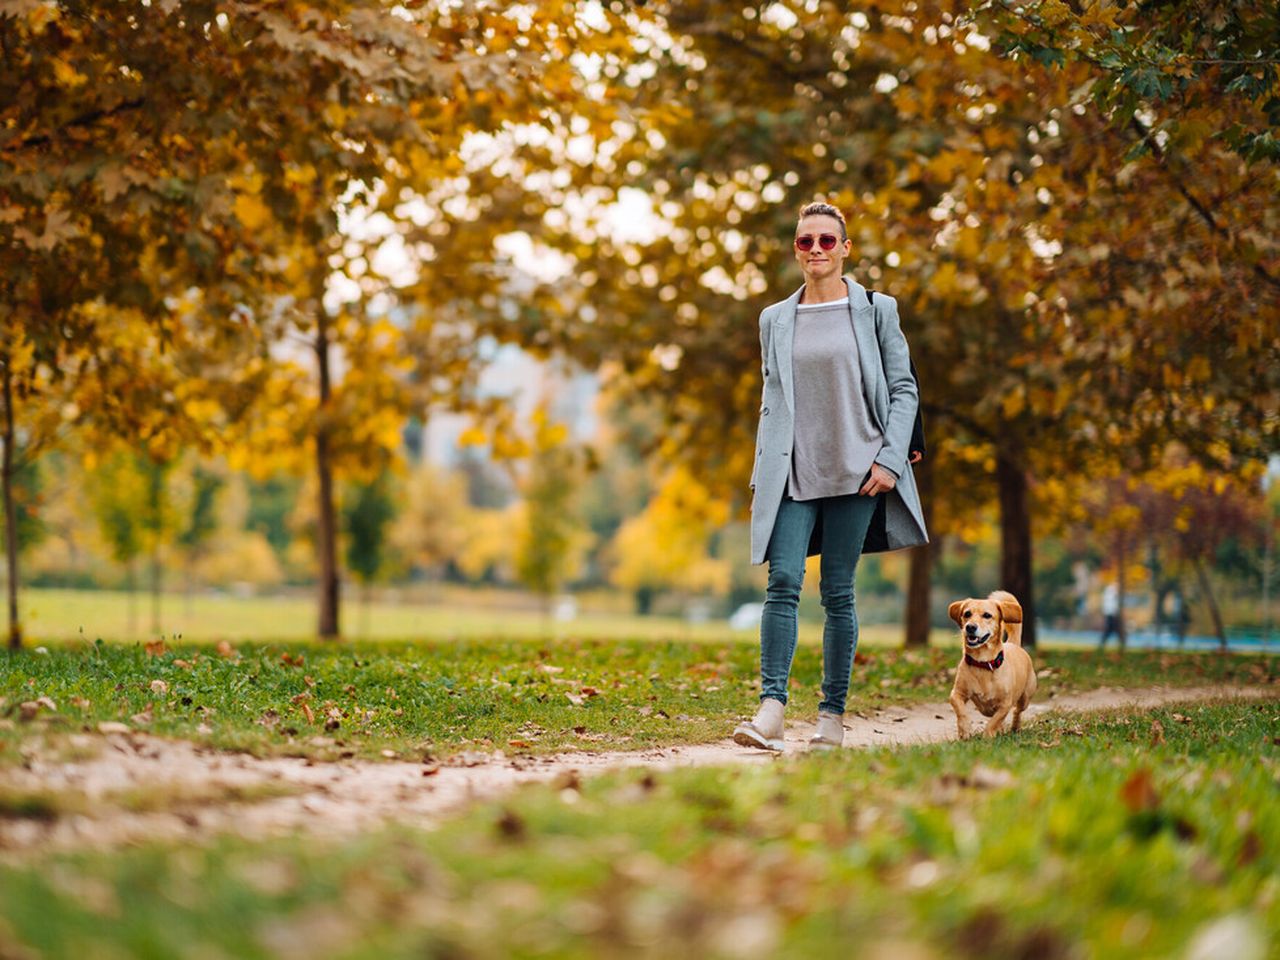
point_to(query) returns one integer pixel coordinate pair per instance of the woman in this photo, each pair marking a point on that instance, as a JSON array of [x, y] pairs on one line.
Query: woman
[[831, 473]]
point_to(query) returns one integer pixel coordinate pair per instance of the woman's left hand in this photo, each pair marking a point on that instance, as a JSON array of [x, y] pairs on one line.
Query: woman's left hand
[[880, 481]]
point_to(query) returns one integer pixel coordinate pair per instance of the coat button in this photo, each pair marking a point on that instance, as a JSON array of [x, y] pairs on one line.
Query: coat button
[[765, 411], [766, 371]]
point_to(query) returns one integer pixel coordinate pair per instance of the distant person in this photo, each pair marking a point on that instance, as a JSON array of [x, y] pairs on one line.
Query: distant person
[[1110, 615], [832, 473]]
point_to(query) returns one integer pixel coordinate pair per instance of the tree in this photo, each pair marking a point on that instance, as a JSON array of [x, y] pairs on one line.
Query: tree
[[201, 521], [120, 498], [1209, 69], [431, 528], [551, 543], [368, 510], [667, 545], [148, 151], [1066, 305]]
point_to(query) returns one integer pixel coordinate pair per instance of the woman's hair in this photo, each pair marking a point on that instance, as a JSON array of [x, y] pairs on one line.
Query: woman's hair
[[820, 209]]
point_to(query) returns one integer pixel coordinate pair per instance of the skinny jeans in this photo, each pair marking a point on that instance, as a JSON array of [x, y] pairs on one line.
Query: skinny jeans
[[844, 528]]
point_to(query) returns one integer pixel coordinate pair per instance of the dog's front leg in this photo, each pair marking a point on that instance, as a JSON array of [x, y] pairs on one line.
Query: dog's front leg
[[998, 720], [957, 704]]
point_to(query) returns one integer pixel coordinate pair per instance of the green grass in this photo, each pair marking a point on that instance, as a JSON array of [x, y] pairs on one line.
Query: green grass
[[1101, 836], [59, 616], [439, 698]]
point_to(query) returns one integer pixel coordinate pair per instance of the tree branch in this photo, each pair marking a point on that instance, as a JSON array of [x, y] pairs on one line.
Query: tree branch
[[84, 120], [1144, 133]]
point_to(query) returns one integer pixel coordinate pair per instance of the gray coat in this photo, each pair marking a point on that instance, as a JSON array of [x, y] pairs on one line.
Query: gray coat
[[891, 396]]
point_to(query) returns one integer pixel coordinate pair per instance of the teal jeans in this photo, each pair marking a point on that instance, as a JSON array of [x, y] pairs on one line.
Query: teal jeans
[[844, 528]]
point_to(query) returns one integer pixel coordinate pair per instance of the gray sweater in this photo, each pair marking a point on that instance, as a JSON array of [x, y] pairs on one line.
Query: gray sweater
[[835, 439]]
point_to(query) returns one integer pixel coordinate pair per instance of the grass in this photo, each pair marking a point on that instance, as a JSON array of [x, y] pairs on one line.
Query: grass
[[1127, 835], [59, 616], [413, 699]]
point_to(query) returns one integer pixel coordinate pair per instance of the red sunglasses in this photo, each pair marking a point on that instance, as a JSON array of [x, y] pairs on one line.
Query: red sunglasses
[[827, 241]]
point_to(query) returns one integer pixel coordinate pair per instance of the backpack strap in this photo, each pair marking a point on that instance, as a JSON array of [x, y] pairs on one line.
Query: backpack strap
[[917, 444]]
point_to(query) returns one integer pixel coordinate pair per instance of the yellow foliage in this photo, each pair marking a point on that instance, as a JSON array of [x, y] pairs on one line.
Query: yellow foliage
[[665, 546], [489, 541], [240, 556], [251, 211]]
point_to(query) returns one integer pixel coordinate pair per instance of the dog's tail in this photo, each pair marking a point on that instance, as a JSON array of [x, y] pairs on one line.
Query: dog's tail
[[1010, 615]]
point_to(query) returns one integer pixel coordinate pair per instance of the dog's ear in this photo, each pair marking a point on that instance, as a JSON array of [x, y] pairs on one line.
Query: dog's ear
[[1010, 611], [953, 611]]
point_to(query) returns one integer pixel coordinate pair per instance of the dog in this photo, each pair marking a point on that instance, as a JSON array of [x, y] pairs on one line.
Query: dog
[[995, 673]]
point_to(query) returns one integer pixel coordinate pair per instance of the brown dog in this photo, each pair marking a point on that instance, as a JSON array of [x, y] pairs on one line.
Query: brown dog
[[995, 672]]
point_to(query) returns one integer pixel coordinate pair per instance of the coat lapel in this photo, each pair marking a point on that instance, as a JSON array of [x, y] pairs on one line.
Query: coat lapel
[[784, 329], [864, 332]]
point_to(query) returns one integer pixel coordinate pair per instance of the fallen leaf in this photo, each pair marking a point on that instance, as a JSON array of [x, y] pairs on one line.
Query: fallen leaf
[[510, 825], [155, 648], [576, 700], [182, 664], [225, 650], [159, 686], [1139, 792], [589, 692], [112, 726], [142, 719], [1157, 733], [519, 743], [1180, 718]]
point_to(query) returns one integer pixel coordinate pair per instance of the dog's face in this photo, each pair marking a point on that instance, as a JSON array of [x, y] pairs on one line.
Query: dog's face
[[979, 620]]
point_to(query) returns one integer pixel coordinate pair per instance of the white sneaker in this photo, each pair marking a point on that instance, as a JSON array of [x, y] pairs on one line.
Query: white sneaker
[[764, 730], [830, 732]]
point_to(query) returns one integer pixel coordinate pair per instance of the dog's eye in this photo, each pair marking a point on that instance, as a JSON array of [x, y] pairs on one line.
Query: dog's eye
[[986, 616], [968, 614]]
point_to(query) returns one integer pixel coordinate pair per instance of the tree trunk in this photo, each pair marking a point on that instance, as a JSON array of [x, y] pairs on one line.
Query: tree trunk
[[10, 510], [157, 576], [920, 575], [1015, 540], [326, 523], [158, 484], [131, 584], [1202, 575]]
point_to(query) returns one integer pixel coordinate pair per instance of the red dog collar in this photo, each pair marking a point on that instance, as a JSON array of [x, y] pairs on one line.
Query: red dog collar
[[985, 664]]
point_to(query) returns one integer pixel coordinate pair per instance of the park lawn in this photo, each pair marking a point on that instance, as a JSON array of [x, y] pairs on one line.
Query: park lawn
[[416, 699], [57, 616], [1122, 835]]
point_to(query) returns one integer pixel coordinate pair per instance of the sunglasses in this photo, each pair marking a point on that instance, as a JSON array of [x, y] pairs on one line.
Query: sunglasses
[[827, 241]]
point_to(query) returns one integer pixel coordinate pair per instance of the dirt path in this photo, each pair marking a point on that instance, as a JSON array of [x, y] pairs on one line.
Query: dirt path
[[179, 791]]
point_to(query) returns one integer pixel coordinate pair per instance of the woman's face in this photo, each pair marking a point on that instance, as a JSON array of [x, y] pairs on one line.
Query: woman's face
[[818, 263]]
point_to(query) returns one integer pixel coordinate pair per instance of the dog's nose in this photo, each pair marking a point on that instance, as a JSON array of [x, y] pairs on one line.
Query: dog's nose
[[971, 628]]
